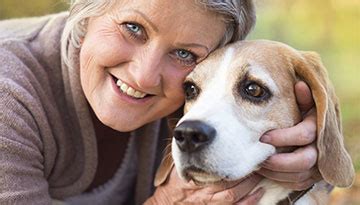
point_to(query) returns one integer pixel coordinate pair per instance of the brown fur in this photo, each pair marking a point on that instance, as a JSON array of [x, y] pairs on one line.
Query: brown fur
[[334, 162]]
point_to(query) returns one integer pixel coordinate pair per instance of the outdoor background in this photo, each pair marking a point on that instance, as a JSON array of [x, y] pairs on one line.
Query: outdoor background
[[329, 27]]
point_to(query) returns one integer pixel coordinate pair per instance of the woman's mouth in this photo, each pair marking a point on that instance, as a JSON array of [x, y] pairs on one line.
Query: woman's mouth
[[128, 90]]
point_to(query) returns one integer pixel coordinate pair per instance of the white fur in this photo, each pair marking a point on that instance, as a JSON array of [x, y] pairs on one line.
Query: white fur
[[236, 151], [260, 73]]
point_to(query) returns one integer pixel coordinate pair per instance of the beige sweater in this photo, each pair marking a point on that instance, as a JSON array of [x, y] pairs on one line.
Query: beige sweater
[[47, 141]]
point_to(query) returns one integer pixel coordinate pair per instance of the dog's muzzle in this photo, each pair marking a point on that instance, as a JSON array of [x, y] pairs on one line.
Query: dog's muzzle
[[193, 135]]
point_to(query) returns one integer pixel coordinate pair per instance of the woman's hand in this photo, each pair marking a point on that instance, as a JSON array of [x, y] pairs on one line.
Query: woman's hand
[[178, 191], [296, 170]]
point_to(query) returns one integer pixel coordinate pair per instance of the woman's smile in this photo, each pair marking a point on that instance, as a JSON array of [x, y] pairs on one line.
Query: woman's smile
[[128, 94], [125, 88], [144, 58]]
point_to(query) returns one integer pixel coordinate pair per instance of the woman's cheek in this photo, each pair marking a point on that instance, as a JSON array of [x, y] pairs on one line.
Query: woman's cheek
[[112, 51], [177, 80]]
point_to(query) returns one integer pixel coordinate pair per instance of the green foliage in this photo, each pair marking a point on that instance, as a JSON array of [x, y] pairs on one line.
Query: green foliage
[[23, 8], [331, 28]]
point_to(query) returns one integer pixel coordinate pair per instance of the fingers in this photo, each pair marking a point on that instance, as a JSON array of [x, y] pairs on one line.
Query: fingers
[[176, 190], [298, 186], [304, 132], [239, 191], [252, 199], [219, 187], [303, 96], [291, 177], [302, 159], [301, 134], [175, 181]]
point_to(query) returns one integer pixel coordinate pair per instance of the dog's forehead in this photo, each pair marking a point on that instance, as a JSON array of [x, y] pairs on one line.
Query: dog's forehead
[[209, 67], [273, 57], [266, 58]]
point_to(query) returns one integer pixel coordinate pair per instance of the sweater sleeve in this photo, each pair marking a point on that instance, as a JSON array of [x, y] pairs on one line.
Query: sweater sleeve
[[22, 178]]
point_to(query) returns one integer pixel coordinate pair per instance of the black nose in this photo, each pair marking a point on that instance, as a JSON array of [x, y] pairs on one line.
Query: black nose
[[193, 135]]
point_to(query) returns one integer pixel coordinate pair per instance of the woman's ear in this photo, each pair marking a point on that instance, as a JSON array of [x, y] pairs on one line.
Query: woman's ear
[[334, 162], [81, 41]]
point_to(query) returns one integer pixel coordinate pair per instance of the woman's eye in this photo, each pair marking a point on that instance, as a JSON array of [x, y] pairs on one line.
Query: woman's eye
[[184, 57], [135, 31], [183, 54], [133, 27]]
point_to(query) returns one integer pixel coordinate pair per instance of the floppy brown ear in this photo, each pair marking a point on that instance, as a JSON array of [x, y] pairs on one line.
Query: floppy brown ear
[[334, 162], [167, 162], [164, 169]]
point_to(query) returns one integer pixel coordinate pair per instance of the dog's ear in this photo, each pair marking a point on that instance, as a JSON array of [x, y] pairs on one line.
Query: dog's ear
[[167, 162], [334, 162], [164, 169]]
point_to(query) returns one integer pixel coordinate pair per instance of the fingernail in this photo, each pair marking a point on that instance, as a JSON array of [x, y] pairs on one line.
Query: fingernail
[[265, 138], [259, 193]]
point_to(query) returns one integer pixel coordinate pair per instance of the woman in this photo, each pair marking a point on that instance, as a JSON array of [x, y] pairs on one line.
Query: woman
[[87, 126]]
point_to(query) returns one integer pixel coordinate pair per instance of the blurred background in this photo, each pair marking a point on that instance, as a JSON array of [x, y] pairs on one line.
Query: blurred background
[[329, 27]]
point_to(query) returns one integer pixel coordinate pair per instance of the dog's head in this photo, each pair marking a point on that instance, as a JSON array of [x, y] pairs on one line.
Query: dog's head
[[239, 93]]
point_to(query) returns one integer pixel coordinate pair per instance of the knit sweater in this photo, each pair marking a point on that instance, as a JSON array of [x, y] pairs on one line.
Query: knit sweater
[[48, 145]]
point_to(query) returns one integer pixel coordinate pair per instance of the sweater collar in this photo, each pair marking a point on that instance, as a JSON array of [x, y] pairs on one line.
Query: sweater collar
[[77, 102]]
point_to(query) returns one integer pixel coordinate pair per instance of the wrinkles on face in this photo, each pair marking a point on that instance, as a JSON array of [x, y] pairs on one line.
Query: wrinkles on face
[[146, 58], [86, 65]]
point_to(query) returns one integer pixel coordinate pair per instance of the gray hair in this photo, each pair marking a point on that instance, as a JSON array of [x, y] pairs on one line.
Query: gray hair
[[239, 16]]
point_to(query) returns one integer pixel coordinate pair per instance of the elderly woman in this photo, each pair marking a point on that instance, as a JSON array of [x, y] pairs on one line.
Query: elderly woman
[[85, 95]]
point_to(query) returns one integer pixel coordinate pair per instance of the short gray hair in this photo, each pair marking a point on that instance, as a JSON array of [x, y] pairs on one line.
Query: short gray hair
[[239, 16]]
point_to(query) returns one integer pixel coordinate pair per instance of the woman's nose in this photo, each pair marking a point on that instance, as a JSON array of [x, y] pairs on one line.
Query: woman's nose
[[148, 71]]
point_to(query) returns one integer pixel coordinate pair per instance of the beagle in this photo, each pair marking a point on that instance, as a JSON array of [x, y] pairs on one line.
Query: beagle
[[235, 96]]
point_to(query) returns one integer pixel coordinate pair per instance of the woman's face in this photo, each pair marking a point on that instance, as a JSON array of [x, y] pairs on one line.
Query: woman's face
[[135, 57]]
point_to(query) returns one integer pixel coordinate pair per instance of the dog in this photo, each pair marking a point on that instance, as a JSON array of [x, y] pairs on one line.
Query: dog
[[239, 93]]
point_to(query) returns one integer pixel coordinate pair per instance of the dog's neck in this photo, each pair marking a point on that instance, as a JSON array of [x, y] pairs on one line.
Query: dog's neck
[[293, 197]]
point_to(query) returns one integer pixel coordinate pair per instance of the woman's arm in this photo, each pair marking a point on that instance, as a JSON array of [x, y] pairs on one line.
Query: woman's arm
[[22, 179]]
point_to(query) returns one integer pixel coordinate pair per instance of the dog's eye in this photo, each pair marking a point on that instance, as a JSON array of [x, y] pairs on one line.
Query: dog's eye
[[254, 90], [190, 90]]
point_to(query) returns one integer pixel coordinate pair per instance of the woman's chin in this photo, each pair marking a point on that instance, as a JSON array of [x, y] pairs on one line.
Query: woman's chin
[[125, 127], [121, 123]]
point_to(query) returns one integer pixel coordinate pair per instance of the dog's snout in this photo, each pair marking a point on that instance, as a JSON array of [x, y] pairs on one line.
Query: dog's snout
[[192, 135]]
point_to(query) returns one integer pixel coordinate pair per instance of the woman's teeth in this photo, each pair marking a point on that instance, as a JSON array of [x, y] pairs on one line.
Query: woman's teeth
[[129, 90]]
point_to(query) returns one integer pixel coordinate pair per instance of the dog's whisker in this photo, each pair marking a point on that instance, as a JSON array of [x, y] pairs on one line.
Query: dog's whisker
[[260, 99]]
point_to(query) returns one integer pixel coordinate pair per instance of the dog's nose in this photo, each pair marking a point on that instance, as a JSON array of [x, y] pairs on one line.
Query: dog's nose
[[192, 135]]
